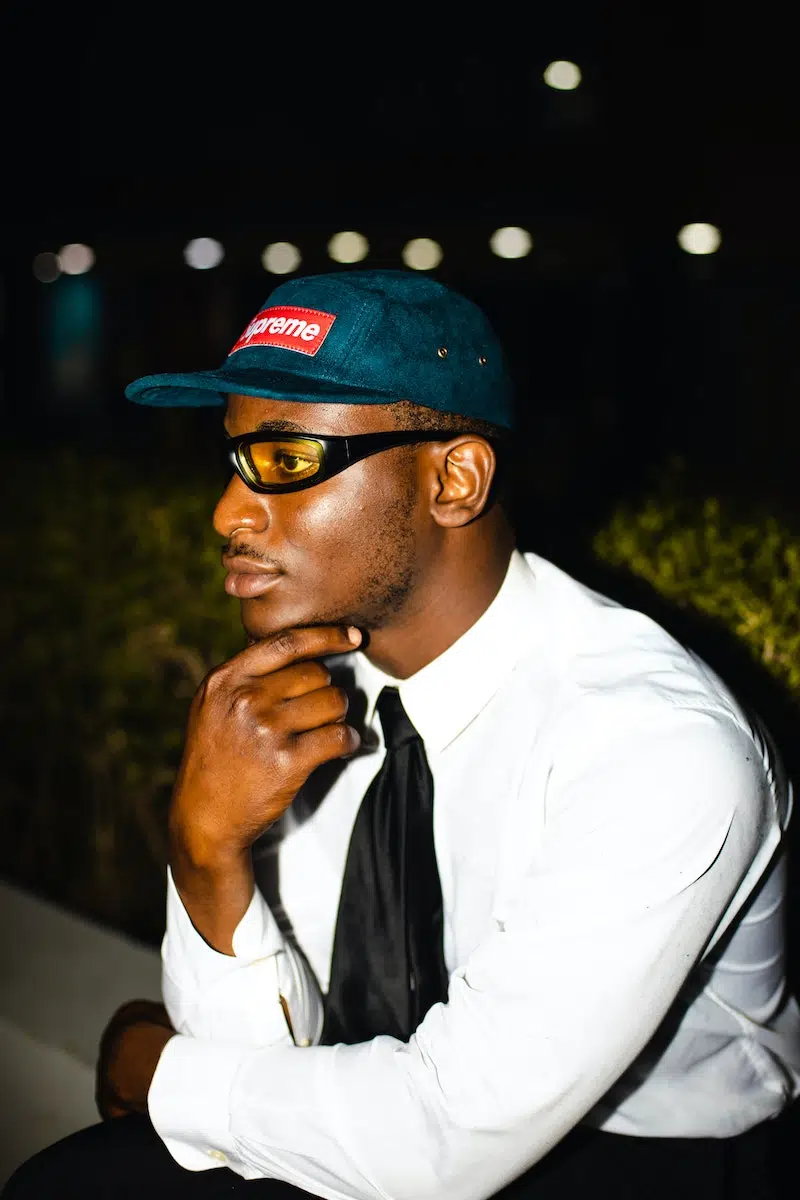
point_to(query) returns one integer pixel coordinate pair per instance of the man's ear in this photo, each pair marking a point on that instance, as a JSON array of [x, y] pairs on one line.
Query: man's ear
[[462, 470]]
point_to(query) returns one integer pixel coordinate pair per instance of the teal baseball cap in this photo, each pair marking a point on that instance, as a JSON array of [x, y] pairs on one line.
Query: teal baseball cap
[[357, 337]]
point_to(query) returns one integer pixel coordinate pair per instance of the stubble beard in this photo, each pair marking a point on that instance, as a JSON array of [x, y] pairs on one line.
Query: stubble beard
[[385, 591]]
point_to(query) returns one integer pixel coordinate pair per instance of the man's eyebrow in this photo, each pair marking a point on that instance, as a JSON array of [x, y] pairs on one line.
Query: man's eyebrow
[[278, 426], [282, 426]]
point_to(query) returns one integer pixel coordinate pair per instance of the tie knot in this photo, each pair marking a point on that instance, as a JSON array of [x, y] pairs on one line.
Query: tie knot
[[395, 722]]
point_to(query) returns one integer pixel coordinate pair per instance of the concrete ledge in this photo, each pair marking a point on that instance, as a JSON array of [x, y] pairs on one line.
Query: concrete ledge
[[62, 978]]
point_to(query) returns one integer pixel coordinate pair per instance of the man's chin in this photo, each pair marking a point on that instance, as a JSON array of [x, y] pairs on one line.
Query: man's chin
[[259, 630]]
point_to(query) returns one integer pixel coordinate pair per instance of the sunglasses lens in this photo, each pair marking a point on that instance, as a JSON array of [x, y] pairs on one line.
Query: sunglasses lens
[[281, 461]]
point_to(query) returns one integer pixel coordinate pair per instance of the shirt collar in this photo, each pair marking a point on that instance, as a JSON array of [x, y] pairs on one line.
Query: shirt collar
[[444, 696]]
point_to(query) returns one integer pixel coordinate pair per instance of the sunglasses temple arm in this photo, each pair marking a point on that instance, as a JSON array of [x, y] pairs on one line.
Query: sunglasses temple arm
[[365, 444]]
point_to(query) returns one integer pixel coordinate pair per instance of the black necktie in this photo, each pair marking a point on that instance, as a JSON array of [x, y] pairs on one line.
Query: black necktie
[[387, 967]]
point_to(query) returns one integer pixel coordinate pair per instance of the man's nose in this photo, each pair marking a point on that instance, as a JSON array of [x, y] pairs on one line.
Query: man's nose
[[240, 508]]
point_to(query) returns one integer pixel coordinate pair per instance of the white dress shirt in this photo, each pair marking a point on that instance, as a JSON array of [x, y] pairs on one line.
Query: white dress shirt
[[609, 833]]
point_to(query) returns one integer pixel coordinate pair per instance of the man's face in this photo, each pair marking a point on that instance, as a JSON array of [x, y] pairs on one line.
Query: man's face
[[346, 550]]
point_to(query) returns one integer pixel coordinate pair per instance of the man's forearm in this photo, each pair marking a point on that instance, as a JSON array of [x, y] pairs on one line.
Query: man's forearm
[[216, 887]]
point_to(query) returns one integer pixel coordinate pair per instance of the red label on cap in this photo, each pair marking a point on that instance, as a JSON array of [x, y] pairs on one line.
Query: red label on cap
[[301, 329]]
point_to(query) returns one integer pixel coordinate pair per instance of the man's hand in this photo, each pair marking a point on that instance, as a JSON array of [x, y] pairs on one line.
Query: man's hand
[[130, 1048], [258, 726]]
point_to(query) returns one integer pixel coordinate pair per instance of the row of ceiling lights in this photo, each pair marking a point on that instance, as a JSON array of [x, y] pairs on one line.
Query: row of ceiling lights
[[281, 258], [349, 246]]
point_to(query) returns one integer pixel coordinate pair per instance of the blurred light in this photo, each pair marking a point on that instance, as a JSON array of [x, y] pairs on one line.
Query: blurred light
[[75, 258], [699, 238], [348, 247], [46, 268], [203, 253], [511, 242], [422, 254], [565, 76], [281, 258]]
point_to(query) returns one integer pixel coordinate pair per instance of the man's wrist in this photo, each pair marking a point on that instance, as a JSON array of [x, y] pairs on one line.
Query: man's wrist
[[215, 884], [198, 849]]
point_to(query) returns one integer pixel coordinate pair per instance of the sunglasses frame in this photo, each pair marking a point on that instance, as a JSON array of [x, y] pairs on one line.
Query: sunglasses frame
[[338, 453]]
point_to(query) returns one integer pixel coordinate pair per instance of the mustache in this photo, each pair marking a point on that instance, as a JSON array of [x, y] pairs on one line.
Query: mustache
[[242, 550]]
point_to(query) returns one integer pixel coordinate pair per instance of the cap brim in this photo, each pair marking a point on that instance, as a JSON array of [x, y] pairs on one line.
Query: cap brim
[[202, 389]]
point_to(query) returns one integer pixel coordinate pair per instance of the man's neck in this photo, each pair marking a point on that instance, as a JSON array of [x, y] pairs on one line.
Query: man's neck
[[443, 610]]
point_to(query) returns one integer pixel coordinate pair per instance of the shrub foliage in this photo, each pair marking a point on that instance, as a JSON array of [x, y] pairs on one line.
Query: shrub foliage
[[697, 551], [113, 613]]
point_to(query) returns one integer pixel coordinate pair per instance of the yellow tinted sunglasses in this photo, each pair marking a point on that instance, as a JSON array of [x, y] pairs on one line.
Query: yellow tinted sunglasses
[[270, 461]]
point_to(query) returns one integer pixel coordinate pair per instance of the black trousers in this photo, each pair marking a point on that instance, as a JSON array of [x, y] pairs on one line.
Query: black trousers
[[125, 1159]]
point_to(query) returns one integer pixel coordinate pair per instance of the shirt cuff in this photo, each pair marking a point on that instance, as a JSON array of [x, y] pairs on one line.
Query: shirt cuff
[[189, 1104], [188, 957]]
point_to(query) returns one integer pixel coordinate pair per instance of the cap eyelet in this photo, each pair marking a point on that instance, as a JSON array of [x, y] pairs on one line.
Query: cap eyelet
[[442, 352], [482, 360]]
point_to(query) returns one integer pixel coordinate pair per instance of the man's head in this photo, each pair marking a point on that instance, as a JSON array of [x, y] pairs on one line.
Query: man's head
[[378, 540]]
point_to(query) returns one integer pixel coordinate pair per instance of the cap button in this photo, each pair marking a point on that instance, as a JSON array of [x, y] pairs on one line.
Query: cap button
[[442, 352]]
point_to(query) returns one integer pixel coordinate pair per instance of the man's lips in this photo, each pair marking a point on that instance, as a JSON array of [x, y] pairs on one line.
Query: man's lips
[[246, 578]]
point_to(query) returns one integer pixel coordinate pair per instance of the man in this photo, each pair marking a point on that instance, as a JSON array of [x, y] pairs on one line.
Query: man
[[568, 972]]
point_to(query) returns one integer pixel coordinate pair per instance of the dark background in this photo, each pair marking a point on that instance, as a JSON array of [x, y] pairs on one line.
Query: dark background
[[135, 130]]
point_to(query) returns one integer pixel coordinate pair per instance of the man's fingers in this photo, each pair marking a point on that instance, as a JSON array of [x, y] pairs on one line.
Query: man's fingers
[[313, 710], [332, 741], [296, 645], [303, 677]]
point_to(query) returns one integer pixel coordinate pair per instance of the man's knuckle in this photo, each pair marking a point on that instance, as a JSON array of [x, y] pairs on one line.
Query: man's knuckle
[[292, 767], [285, 759], [287, 644], [264, 732], [208, 685], [241, 704]]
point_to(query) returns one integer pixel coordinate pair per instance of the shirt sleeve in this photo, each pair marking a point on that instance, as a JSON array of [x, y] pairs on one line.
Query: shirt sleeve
[[642, 850], [208, 994]]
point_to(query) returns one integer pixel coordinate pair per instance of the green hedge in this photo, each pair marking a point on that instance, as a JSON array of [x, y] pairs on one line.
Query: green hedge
[[112, 614], [113, 611], [697, 551]]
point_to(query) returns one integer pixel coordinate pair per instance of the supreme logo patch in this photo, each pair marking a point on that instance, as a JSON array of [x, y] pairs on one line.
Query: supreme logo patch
[[301, 329]]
